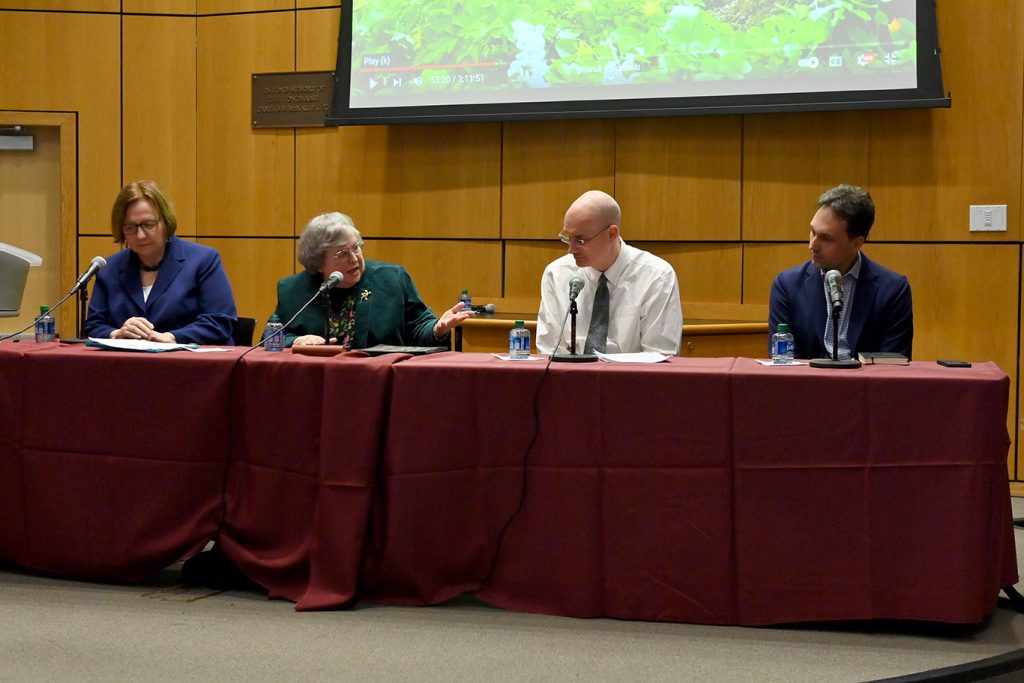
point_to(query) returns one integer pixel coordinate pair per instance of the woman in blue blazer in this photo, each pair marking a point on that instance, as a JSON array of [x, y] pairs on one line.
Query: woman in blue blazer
[[160, 288]]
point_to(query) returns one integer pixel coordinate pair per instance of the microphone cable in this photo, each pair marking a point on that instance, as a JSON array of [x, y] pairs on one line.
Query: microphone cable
[[36, 319], [525, 461], [284, 327], [232, 382]]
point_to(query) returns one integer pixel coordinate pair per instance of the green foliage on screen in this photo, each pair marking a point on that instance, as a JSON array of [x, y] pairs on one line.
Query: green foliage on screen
[[603, 42]]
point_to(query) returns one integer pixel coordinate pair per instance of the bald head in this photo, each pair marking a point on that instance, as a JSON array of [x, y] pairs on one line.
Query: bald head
[[592, 225], [597, 206]]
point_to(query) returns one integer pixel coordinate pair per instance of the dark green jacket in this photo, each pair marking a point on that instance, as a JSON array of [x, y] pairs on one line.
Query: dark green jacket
[[388, 308]]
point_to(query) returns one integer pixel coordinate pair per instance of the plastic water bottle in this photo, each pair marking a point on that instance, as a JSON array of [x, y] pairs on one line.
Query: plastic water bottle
[[467, 301], [782, 345], [519, 342], [274, 334], [46, 326]]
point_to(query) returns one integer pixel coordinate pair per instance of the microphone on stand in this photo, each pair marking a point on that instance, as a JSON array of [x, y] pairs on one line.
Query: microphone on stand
[[835, 302], [335, 278], [332, 280], [835, 290], [575, 287], [94, 267], [486, 308]]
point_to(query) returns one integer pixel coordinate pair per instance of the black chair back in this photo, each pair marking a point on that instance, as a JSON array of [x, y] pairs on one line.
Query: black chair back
[[242, 331]]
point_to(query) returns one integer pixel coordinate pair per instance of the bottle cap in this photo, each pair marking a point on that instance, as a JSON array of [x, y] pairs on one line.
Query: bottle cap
[[274, 318], [44, 309], [520, 323], [465, 290], [783, 327]]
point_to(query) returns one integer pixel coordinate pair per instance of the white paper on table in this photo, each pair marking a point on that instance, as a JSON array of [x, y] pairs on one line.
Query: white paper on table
[[505, 356], [644, 357], [791, 363], [140, 345]]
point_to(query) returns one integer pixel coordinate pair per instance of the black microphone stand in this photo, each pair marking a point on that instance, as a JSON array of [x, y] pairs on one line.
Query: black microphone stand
[[573, 310], [572, 356], [83, 311], [834, 363]]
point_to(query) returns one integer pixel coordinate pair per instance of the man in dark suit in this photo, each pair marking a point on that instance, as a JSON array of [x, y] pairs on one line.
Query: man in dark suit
[[878, 312]]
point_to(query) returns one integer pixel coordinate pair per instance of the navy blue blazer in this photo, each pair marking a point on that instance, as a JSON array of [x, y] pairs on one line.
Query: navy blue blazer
[[882, 318], [191, 297]]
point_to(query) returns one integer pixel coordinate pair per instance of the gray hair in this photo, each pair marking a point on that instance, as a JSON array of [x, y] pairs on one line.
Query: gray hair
[[321, 232]]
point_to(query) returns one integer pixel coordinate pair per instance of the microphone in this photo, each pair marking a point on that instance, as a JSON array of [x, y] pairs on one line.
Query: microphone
[[334, 279], [835, 290], [97, 263], [575, 286], [488, 308]]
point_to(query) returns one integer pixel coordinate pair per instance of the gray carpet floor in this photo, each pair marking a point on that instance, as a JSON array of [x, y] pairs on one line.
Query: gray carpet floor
[[60, 630]]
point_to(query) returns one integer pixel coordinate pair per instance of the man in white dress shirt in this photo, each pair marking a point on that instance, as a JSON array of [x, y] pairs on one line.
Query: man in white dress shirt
[[644, 313]]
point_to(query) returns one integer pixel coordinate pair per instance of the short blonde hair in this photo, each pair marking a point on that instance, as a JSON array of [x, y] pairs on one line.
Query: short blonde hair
[[321, 232], [133, 192]]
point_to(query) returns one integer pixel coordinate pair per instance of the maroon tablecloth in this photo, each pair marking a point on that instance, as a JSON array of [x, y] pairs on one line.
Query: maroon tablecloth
[[868, 494], [307, 436], [626, 506], [698, 490], [111, 464], [711, 491]]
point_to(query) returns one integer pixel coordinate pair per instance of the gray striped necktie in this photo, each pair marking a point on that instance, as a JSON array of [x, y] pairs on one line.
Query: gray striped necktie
[[597, 336]]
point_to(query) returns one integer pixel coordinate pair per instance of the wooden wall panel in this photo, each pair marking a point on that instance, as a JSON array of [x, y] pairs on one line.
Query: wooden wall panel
[[303, 4], [546, 165], [441, 269], [246, 176], [70, 62], [253, 267], [63, 5], [179, 7], [927, 167], [711, 272], [239, 6], [679, 178], [316, 46], [790, 159], [352, 169], [762, 262], [524, 265], [159, 109], [450, 180]]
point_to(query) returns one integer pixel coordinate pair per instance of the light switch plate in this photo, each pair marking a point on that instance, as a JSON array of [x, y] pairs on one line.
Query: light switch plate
[[988, 217]]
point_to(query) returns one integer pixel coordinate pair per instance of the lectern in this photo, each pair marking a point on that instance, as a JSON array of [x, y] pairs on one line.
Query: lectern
[[14, 265]]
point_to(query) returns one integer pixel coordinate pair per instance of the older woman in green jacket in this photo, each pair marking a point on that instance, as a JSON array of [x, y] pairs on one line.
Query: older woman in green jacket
[[374, 303]]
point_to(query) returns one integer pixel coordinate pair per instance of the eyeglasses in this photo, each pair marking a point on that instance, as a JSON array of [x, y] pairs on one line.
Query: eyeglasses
[[354, 250], [132, 228], [579, 241]]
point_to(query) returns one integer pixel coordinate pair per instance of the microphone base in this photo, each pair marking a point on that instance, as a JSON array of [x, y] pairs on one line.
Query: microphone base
[[573, 358], [828, 363], [73, 340]]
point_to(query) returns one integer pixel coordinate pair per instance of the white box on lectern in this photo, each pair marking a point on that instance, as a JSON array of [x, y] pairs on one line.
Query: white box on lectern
[[14, 265]]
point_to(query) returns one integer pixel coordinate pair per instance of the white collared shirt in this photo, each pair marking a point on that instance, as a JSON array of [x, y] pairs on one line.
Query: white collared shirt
[[644, 309]]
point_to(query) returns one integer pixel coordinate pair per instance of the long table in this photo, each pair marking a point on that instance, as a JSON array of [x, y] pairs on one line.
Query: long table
[[697, 490]]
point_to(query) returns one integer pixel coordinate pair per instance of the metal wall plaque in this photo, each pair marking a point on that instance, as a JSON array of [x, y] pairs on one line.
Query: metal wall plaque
[[296, 99]]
